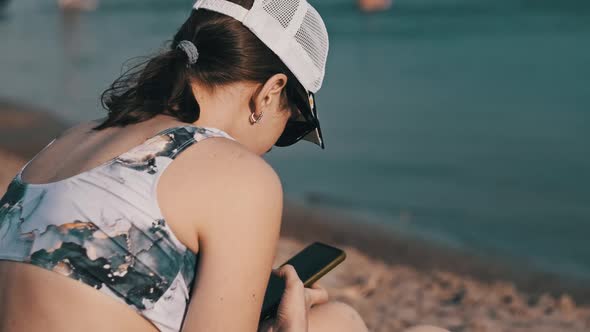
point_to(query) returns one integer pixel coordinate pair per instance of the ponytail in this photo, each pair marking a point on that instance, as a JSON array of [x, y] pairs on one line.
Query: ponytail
[[160, 85], [228, 52]]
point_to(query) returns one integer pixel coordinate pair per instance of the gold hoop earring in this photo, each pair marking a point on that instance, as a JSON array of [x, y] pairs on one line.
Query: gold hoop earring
[[254, 120]]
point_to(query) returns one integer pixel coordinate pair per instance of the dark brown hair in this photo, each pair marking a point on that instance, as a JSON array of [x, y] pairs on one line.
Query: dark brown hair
[[228, 52]]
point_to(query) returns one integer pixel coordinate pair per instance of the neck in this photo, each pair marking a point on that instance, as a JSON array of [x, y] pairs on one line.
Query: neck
[[223, 107]]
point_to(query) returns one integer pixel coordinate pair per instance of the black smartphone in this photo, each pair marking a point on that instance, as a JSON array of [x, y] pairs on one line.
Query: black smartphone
[[311, 264]]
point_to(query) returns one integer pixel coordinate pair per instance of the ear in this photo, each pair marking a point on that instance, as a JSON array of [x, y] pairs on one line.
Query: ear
[[270, 92]]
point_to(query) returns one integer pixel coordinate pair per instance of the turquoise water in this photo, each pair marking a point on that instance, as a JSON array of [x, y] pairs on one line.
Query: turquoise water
[[466, 122]]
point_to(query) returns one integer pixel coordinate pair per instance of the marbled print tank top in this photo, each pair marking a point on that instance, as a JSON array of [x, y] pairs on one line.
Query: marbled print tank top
[[104, 228]]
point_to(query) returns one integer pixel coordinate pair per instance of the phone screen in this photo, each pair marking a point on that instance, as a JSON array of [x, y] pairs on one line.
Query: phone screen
[[311, 264]]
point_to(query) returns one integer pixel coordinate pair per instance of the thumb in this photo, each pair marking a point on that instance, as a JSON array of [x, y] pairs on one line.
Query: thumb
[[289, 273], [316, 296]]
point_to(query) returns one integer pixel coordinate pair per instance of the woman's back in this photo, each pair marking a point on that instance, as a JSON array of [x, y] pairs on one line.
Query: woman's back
[[138, 217], [100, 222]]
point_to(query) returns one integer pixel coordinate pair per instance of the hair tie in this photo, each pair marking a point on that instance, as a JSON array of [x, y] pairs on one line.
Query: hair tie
[[191, 51]]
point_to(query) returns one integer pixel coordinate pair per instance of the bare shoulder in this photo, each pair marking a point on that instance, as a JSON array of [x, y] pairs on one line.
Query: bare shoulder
[[224, 164], [217, 183]]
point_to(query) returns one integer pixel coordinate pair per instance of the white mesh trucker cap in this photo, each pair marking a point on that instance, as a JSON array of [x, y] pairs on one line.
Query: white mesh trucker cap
[[294, 31]]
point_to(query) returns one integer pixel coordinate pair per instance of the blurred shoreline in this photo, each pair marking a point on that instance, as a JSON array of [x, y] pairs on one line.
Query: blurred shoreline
[[25, 129], [382, 242], [393, 280]]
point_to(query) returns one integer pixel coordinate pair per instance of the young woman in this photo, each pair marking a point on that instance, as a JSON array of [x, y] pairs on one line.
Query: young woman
[[166, 206], [164, 211]]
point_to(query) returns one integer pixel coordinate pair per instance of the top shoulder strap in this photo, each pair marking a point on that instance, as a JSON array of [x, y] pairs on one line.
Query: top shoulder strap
[[180, 138]]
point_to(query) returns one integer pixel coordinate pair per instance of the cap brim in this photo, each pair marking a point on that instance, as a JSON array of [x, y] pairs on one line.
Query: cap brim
[[310, 117], [315, 137]]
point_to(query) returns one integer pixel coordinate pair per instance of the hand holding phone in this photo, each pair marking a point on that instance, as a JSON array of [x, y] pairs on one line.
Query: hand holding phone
[[296, 301], [308, 266]]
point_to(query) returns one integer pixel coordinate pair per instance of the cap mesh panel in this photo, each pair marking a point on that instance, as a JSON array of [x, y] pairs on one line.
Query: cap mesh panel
[[282, 10], [312, 36]]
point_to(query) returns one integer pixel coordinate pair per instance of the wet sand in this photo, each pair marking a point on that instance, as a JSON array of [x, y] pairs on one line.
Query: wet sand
[[25, 129], [394, 282], [391, 297]]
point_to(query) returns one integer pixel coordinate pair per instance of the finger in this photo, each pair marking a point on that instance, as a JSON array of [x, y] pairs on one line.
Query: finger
[[316, 296], [316, 285], [289, 273]]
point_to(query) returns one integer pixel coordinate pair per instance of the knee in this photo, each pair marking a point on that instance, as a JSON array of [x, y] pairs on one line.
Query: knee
[[336, 316], [425, 328], [343, 311]]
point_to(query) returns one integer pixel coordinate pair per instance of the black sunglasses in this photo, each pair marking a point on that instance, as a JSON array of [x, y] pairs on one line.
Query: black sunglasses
[[302, 124]]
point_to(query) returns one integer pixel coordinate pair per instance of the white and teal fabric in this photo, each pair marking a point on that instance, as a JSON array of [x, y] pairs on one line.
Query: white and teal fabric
[[104, 228]]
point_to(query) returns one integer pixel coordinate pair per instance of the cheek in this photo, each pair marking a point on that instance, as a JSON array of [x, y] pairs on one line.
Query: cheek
[[282, 123], [287, 116]]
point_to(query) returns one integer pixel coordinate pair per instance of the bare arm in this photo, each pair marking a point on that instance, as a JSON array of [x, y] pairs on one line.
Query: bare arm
[[237, 243]]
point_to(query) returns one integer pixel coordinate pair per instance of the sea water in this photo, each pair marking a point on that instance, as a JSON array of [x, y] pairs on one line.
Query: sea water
[[460, 121]]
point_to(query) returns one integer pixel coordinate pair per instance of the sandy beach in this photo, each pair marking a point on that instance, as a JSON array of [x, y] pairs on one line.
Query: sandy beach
[[394, 282]]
